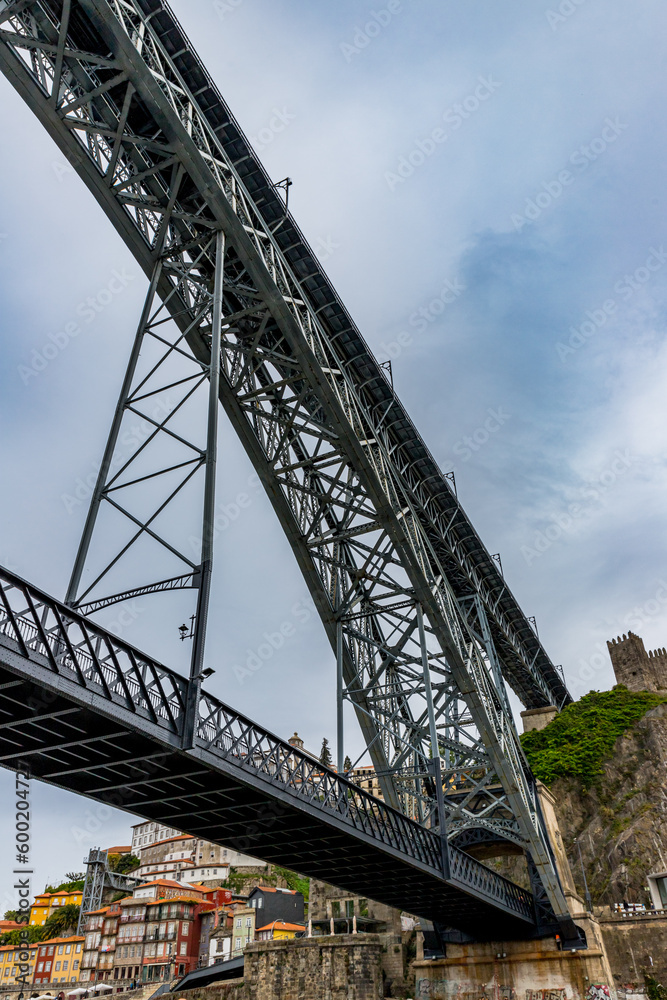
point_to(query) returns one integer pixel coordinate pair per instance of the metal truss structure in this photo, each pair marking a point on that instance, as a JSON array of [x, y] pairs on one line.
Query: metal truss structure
[[98, 878], [88, 712], [424, 628]]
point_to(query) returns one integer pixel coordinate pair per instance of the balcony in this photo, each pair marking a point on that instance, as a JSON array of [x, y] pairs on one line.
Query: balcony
[[161, 936], [128, 918]]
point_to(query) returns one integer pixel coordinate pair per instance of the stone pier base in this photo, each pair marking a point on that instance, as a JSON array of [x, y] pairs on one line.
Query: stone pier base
[[515, 970]]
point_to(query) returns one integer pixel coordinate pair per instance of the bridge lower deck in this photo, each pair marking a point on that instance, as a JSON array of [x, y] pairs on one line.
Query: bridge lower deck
[[78, 719]]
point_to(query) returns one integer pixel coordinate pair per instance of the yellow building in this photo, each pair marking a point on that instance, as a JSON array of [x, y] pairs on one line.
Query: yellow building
[[47, 903], [279, 929], [59, 960], [12, 956]]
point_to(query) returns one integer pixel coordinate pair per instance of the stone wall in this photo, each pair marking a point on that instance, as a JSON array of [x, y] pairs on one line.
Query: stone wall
[[339, 967], [636, 945], [636, 668]]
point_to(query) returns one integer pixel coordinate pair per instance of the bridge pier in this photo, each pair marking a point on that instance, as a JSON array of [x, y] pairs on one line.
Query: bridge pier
[[515, 970]]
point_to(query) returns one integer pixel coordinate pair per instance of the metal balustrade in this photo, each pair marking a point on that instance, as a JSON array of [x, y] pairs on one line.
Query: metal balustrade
[[47, 632]]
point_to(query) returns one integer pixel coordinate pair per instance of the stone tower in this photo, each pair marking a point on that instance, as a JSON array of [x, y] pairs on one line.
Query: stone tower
[[634, 667]]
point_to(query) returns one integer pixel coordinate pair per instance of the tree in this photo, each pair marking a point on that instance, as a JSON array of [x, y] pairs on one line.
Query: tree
[[18, 916], [123, 863], [347, 764], [62, 923], [325, 753], [75, 876]]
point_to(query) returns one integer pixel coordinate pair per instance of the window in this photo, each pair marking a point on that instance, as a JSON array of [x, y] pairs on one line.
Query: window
[[65, 966], [75, 965], [50, 951], [184, 948], [42, 952], [248, 921], [349, 907], [238, 942], [335, 908], [40, 966], [68, 948], [238, 921], [78, 948], [57, 966], [260, 902]]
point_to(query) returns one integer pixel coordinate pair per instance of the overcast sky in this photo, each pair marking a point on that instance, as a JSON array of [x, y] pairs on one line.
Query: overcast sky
[[485, 183]]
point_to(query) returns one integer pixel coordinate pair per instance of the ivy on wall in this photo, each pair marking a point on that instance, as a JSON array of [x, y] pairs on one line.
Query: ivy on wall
[[581, 737]]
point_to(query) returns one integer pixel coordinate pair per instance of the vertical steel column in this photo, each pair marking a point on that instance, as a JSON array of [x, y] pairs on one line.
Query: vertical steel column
[[112, 440], [208, 529], [434, 764], [340, 757]]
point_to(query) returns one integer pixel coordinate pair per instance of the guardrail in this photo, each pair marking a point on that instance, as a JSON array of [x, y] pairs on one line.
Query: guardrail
[[72, 646]]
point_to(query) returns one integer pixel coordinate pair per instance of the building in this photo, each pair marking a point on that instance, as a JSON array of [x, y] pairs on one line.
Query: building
[[636, 668], [172, 937], [58, 961], [144, 834], [276, 904], [166, 856], [129, 950], [243, 929], [91, 945], [365, 777], [164, 888], [279, 929], [209, 875], [12, 956], [47, 903]]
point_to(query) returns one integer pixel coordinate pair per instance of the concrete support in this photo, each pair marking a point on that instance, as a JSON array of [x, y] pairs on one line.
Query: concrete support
[[515, 970], [538, 718]]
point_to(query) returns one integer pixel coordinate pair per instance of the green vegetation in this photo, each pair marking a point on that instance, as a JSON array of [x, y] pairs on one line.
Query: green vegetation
[[325, 754], [62, 923], [123, 863], [654, 990], [294, 881], [18, 916], [582, 737], [67, 886]]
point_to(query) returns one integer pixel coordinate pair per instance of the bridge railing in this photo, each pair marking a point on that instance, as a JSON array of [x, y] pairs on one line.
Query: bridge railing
[[82, 651], [229, 735], [72, 646]]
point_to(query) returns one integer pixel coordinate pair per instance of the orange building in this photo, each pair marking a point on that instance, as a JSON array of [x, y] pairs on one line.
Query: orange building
[[12, 956], [58, 960], [47, 903]]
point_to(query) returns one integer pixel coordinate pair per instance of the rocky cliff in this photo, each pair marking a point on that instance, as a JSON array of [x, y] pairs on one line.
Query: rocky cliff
[[607, 768]]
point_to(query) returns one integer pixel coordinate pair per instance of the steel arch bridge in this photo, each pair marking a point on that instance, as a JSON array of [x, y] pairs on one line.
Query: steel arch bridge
[[424, 629]]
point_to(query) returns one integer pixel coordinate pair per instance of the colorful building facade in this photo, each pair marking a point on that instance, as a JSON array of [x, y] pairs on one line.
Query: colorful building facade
[[58, 960]]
